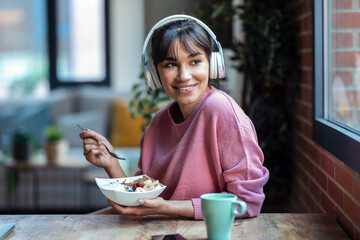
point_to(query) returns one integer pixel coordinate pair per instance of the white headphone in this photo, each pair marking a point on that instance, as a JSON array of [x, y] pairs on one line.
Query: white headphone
[[217, 66]]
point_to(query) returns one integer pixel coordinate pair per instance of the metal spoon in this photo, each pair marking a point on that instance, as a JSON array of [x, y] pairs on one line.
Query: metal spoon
[[107, 149], [111, 153]]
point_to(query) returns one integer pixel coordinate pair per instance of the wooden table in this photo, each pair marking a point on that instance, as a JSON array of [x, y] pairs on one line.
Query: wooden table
[[265, 226]]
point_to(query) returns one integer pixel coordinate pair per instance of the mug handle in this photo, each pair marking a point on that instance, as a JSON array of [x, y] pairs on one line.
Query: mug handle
[[243, 208]]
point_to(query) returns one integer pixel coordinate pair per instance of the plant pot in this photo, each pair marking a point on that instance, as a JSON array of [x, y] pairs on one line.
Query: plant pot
[[56, 151], [21, 151]]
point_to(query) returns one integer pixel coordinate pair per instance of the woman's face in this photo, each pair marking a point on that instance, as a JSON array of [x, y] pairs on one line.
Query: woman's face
[[185, 77]]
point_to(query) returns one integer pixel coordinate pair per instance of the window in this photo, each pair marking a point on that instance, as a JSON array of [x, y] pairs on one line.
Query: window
[[56, 43], [23, 53], [336, 124], [78, 42]]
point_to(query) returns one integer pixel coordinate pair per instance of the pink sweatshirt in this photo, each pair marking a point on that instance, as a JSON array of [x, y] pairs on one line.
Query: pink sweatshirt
[[214, 150]]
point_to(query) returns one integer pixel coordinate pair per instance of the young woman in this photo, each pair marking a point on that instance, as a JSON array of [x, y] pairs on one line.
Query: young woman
[[200, 143]]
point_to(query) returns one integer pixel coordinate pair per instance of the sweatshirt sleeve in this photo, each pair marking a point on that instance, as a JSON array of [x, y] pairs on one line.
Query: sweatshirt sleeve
[[243, 170], [239, 154], [197, 208]]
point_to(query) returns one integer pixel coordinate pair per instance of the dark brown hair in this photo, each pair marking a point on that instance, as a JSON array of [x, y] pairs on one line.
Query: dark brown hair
[[188, 32]]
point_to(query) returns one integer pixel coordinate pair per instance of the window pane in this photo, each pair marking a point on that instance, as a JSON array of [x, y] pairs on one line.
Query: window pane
[[343, 63], [23, 53], [81, 41]]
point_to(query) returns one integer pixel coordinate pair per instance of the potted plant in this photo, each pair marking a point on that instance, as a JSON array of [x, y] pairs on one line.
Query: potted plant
[[146, 103], [21, 144], [56, 147]]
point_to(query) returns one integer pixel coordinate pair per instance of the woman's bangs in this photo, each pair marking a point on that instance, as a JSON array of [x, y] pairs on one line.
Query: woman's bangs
[[189, 44]]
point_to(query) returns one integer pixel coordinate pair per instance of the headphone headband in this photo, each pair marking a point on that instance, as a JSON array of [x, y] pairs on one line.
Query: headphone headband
[[173, 18]]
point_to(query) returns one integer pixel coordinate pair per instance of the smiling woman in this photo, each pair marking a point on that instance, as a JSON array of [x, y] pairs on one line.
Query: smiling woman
[[200, 143]]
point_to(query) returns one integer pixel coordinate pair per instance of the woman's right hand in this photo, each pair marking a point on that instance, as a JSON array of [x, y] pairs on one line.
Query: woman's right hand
[[94, 151]]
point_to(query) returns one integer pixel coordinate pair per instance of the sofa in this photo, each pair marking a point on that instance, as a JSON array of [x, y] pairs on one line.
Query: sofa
[[97, 108]]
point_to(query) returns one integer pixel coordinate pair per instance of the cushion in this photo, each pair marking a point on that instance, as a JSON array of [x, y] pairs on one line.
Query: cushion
[[125, 131]]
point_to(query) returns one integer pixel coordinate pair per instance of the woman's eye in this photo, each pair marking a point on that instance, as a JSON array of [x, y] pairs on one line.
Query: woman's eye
[[195, 62], [170, 64]]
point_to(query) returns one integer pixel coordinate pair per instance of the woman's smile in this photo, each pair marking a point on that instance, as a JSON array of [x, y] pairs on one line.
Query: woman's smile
[[185, 89], [185, 76]]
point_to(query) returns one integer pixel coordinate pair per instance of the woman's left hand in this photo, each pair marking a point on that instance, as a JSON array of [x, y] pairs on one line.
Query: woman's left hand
[[157, 205], [148, 206]]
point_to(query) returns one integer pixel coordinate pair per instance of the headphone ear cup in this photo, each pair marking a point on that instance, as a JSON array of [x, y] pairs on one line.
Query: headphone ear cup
[[148, 76], [213, 67], [154, 75], [220, 65]]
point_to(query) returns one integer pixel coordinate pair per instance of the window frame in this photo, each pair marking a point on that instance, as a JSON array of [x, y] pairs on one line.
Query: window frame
[[336, 139], [52, 49]]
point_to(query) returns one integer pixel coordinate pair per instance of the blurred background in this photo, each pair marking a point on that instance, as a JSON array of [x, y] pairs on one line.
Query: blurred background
[[69, 62]]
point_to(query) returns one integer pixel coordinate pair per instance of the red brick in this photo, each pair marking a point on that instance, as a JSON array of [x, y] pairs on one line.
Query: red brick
[[306, 41], [309, 201], [328, 165], [303, 174], [346, 20], [345, 59], [342, 78], [357, 233], [344, 222], [314, 153], [304, 128], [299, 142], [341, 4], [357, 189], [308, 166], [342, 40], [306, 23], [317, 208], [306, 6], [352, 209], [320, 178], [306, 94], [335, 193], [327, 204], [304, 111], [304, 145], [298, 203], [315, 191], [344, 178], [307, 77], [306, 59]]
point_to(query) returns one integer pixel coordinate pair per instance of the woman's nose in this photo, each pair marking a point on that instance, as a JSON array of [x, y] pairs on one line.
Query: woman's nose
[[184, 74]]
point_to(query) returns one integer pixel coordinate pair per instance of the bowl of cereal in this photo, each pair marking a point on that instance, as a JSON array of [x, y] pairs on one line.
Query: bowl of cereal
[[127, 191]]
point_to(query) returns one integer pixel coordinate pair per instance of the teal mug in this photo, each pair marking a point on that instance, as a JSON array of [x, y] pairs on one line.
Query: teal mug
[[219, 211]]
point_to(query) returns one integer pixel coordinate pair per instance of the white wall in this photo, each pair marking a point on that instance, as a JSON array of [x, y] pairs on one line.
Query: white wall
[[127, 34]]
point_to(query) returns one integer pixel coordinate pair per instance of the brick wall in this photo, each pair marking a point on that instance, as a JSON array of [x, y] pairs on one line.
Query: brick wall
[[322, 183]]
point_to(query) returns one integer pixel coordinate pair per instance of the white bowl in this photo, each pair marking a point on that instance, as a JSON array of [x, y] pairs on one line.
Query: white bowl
[[125, 198]]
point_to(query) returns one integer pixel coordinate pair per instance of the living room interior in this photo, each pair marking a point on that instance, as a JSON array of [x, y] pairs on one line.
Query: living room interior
[[70, 63], [31, 102]]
